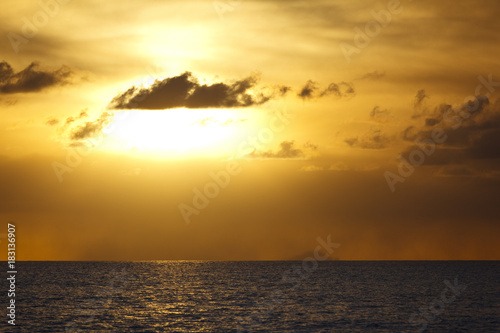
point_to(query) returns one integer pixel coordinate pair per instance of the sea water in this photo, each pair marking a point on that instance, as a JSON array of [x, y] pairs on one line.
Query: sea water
[[271, 296]]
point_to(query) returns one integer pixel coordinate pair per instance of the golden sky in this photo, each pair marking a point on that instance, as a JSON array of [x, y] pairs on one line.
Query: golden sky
[[244, 130]]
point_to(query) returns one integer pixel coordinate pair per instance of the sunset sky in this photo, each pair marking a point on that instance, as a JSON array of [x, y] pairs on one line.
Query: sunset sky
[[244, 130]]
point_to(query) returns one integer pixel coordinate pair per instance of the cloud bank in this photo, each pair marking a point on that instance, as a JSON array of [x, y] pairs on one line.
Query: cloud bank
[[342, 89], [30, 79], [185, 91], [471, 131]]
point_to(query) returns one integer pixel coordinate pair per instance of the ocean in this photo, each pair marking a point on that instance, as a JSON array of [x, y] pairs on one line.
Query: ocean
[[271, 296]]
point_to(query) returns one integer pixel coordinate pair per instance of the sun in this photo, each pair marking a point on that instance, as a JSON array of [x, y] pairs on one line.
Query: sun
[[175, 131]]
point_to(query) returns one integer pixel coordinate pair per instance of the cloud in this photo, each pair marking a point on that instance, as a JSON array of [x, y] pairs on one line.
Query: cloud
[[457, 121], [485, 145], [429, 122], [380, 115], [374, 139], [185, 91], [376, 75], [419, 97], [70, 120], [286, 150], [342, 89], [83, 114], [91, 128], [472, 133], [31, 79], [308, 90], [52, 121], [409, 134], [310, 146], [284, 90]]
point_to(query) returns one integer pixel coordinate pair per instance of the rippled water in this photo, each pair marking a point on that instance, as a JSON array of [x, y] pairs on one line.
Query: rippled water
[[203, 296]]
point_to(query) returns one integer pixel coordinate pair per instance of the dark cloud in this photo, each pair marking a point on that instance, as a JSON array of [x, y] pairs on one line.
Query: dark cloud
[[83, 114], [472, 132], [486, 146], [68, 122], [308, 90], [419, 97], [431, 121], [352, 141], [185, 91], [31, 79], [91, 128], [342, 89], [457, 121], [409, 134], [374, 139], [286, 150], [379, 115], [376, 75], [284, 90]]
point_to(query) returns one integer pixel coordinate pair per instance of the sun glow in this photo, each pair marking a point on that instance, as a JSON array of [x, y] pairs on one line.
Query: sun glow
[[178, 131]]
